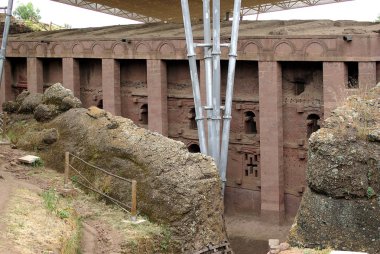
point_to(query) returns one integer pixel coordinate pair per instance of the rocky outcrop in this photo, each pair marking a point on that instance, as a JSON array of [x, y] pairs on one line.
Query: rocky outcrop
[[176, 188], [54, 101], [341, 207], [30, 102]]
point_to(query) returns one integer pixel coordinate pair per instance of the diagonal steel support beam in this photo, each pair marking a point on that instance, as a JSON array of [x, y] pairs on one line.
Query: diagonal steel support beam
[[229, 92], [194, 75], [217, 148]]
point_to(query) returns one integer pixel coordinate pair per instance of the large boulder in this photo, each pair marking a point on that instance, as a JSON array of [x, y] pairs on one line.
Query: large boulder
[[176, 188], [344, 156], [10, 106], [30, 102], [341, 207], [45, 112], [70, 102], [22, 96], [13, 106], [55, 94]]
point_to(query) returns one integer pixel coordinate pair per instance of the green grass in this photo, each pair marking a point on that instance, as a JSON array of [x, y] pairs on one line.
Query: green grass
[[38, 163], [50, 199], [370, 192], [61, 207], [72, 245]]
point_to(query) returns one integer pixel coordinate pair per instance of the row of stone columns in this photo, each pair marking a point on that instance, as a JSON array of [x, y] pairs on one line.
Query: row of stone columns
[[270, 97]]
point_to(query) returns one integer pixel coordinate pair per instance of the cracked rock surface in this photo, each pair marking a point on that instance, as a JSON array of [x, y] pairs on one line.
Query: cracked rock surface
[[341, 206]]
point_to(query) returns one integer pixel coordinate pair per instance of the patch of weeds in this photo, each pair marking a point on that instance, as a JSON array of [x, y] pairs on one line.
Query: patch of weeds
[[369, 175], [166, 239], [370, 192], [72, 244], [63, 214], [74, 179], [12, 136], [50, 199], [38, 163]]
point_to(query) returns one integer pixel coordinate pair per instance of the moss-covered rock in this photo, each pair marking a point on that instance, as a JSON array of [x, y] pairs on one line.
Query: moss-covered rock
[[45, 112], [10, 107], [29, 103]]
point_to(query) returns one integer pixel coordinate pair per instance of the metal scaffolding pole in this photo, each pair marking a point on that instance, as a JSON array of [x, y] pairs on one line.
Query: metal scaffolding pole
[[216, 119], [218, 150], [5, 37], [194, 75], [208, 75], [229, 91]]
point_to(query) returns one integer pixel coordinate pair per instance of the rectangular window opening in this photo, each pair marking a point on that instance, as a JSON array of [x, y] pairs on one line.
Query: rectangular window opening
[[352, 75]]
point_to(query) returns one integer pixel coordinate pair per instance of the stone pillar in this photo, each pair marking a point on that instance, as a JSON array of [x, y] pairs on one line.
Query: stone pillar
[[71, 75], [271, 142], [6, 84], [157, 96], [35, 75], [111, 86], [367, 75], [334, 86]]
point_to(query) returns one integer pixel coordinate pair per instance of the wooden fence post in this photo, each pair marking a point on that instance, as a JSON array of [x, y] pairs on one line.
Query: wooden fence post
[[134, 200], [67, 169]]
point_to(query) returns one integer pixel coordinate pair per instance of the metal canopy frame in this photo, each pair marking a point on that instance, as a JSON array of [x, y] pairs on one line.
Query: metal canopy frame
[[90, 5], [259, 6], [215, 147], [285, 5]]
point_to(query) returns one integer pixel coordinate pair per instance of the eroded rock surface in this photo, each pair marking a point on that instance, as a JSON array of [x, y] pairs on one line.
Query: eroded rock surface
[[175, 187], [341, 207]]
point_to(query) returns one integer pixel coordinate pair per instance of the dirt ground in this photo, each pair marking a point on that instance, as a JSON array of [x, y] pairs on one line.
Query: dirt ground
[[249, 235], [98, 233], [14, 177]]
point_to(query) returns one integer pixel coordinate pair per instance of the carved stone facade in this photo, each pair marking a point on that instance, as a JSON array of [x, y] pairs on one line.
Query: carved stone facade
[[285, 85]]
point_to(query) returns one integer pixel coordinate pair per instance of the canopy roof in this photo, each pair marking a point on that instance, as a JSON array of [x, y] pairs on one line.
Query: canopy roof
[[170, 10]]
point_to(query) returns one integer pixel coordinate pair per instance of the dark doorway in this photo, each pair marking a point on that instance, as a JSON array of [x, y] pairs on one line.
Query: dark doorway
[[312, 124], [144, 114], [100, 104], [250, 123], [194, 148]]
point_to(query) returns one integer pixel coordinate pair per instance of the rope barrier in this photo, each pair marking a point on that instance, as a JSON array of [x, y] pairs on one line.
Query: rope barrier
[[103, 170], [93, 188]]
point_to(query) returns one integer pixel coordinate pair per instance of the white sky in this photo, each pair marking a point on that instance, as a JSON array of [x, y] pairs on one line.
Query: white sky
[[60, 14]]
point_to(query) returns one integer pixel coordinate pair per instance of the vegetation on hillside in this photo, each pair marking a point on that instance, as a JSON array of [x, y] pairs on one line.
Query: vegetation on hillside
[[31, 17]]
